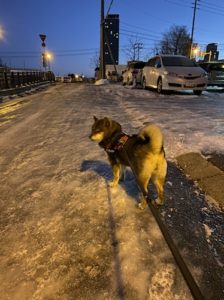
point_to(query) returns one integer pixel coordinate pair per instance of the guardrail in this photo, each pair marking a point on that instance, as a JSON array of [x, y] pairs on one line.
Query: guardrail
[[13, 78]]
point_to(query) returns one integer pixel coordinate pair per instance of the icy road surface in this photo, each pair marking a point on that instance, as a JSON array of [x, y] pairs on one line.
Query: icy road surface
[[65, 235]]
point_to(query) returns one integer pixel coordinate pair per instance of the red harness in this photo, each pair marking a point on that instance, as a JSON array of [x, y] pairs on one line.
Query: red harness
[[118, 144]]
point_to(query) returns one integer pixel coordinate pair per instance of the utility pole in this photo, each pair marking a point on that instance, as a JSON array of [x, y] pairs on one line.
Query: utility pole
[[102, 43], [138, 47], [193, 22]]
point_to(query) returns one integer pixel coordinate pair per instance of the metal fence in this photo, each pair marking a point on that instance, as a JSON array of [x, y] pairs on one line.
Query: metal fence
[[13, 78]]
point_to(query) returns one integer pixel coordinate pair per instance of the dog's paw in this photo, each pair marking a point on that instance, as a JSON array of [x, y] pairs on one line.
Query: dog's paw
[[112, 184], [158, 202], [142, 205]]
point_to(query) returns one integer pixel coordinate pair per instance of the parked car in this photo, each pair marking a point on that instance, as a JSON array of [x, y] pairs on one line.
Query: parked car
[[133, 73], [59, 78], [174, 72], [215, 70], [67, 79]]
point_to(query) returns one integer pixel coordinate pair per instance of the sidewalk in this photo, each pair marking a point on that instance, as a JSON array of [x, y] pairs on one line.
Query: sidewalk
[[209, 177]]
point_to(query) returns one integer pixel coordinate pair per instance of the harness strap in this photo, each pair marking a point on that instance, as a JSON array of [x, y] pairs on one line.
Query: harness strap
[[118, 144]]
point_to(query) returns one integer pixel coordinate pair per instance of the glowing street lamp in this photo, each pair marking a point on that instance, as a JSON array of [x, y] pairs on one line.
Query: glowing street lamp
[[2, 33], [196, 51], [49, 58]]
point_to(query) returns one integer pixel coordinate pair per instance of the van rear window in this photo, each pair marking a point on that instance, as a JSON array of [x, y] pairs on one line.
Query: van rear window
[[178, 62]]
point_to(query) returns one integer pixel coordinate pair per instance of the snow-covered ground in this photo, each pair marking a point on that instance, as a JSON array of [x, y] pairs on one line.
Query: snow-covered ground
[[190, 123], [64, 233]]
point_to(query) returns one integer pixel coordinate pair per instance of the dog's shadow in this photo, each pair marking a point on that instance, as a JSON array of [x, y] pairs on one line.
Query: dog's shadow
[[104, 170], [99, 167]]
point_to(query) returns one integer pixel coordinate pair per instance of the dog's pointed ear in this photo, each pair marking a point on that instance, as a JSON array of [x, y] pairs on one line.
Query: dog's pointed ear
[[95, 118], [107, 122]]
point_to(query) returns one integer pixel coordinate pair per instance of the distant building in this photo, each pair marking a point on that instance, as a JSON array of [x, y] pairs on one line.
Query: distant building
[[214, 53], [111, 31]]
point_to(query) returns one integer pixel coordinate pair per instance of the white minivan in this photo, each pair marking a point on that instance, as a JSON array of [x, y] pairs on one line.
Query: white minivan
[[172, 73]]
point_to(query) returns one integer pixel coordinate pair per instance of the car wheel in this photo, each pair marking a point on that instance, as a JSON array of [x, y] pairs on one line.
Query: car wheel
[[198, 93], [159, 85]]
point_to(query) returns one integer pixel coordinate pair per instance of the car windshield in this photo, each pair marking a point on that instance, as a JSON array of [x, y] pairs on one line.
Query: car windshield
[[176, 61]]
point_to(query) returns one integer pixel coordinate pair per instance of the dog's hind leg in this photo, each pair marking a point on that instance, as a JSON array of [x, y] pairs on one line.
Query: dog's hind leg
[[143, 182], [159, 183]]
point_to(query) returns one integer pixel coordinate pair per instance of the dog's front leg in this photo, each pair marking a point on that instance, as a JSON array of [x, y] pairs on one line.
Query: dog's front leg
[[116, 174]]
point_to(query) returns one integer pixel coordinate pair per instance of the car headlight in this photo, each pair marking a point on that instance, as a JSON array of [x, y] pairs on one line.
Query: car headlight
[[172, 74]]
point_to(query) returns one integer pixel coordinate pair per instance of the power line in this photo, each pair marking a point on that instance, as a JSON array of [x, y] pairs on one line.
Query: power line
[[179, 3], [140, 36], [138, 27], [56, 55], [55, 51], [212, 12], [206, 7], [212, 4], [111, 3], [212, 7], [140, 33]]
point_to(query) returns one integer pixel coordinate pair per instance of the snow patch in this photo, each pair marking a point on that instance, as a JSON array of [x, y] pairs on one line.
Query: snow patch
[[102, 82], [161, 285], [208, 231]]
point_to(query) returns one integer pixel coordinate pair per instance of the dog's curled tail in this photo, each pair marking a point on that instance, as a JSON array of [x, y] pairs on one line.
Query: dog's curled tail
[[153, 137]]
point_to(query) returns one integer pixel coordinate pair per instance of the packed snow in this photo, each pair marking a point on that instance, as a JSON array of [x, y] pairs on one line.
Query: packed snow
[[190, 123], [64, 233]]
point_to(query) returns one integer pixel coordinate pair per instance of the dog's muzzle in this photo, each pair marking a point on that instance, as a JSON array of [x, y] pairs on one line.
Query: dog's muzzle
[[97, 136]]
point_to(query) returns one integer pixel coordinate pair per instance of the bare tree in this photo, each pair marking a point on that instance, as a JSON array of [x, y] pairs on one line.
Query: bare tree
[[95, 60], [175, 41], [133, 51]]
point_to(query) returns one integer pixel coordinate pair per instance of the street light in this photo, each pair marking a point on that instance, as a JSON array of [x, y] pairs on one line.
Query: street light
[[196, 52], [49, 58], [2, 33]]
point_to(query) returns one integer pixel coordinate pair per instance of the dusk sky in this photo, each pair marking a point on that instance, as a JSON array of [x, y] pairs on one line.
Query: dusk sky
[[72, 28]]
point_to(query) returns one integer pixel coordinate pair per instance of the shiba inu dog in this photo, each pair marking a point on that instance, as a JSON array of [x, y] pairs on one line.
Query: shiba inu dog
[[142, 152]]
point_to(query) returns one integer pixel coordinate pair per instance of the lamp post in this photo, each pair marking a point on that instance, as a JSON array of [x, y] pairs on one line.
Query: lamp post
[[196, 52], [43, 38]]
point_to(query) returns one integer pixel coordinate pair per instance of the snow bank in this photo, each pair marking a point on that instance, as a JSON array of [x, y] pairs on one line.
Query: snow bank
[[102, 82]]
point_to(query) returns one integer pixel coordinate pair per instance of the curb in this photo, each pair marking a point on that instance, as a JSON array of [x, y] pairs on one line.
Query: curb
[[209, 178]]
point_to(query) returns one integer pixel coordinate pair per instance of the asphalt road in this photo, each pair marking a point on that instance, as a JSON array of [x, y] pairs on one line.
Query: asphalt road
[[56, 244]]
